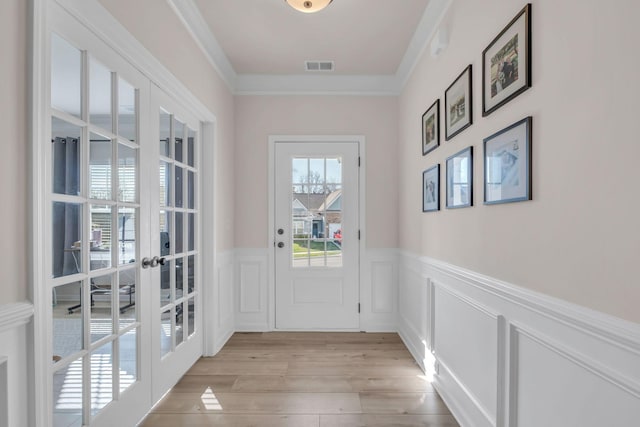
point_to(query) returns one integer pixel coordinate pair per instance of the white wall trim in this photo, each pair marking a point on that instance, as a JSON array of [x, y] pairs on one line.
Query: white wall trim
[[537, 336], [15, 315], [299, 84]]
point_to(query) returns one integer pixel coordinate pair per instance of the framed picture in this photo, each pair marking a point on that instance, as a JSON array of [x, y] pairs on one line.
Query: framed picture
[[460, 179], [431, 189], [457, 105], [506, 63], [507, 164], [431, 128]]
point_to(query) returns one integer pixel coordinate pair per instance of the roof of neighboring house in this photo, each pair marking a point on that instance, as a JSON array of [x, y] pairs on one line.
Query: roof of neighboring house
[[332, 202], [310, 201]]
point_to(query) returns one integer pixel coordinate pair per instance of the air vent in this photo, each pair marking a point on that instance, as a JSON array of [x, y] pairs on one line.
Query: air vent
[[318, 65]]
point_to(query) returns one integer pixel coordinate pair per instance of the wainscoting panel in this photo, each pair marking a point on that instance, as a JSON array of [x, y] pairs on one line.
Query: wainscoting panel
[[507, 356], [14, 364]]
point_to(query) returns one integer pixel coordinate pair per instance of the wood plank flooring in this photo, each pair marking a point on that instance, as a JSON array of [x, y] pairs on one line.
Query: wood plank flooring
[[309, 379]]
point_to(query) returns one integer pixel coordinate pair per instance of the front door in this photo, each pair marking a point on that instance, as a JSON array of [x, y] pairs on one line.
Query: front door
[[316, 235]]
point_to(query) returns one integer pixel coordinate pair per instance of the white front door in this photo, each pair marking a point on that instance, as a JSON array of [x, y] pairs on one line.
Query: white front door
[[174, 183], [316, 235]]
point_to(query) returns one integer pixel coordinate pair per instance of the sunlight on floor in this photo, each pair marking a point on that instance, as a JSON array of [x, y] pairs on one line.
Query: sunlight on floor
[[429, 363], [210, 401]]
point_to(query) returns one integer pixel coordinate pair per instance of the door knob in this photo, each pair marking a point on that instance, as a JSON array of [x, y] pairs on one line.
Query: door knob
[[281, 244], [161, 260], [154, 261], [280, 231], [146, 262]]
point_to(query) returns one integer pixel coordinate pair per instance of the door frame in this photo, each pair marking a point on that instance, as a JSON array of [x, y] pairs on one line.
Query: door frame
[[91, 14], [271, 236]]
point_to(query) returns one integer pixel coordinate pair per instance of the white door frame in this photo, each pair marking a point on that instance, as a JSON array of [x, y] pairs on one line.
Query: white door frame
[[273, 139], [93, 15]]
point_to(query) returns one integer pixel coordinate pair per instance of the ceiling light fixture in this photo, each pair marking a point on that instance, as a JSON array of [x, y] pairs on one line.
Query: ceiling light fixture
[[308, 6]]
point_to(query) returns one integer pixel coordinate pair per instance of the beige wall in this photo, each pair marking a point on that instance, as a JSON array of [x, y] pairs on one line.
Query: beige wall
[[579, 239], [15, 143], [158, 28], [257, 117]]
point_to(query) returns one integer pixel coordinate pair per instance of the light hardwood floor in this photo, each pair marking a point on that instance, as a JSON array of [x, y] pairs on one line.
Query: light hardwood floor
[[305, 379]]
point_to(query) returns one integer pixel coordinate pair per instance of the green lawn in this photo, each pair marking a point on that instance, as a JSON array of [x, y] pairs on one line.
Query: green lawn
[[300, 249]]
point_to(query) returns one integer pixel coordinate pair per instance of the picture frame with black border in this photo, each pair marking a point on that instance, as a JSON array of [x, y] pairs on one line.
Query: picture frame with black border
[[431, 128], [506, 63], [460, 179], [507, 164], [458, 104], [431, 189]]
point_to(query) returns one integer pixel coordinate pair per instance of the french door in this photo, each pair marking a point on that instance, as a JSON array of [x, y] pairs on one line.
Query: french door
[[120, 226], [316, 235]]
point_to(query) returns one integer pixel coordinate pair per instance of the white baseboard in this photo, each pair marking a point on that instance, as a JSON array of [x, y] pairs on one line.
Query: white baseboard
[[505, 356]]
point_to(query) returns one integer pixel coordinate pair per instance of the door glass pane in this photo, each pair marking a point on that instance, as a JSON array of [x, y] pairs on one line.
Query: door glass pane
[[67, 395], [100, 96], [190, 321], [316, 212], [165, 283], [128, 359], [126, 235], [65, 155], [192, 225], [66, 72], [165, 133], [179, 324], [101, 312], [67, 247], [165, 233], [191, 189], [165, 183], [127, 117], [100, 166], [101, 377], [191, 273], [179, 278], [178, 186], [165, 332], [127, 173], [191, 147], [100, 243], [179, 128], [179, 233], [127, 297], [67, 320]]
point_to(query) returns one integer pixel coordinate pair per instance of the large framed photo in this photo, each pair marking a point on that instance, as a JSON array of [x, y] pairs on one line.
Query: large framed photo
[[458, 105], [507, 164], [431, 128], [431, 189], [506, 63], [460, 179]]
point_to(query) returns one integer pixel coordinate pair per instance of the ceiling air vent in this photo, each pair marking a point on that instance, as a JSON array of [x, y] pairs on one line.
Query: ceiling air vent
[[318, 65]]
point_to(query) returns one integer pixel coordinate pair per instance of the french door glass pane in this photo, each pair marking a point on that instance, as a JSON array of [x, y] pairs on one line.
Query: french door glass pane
[[67, 323], [165, 133], [66, 76], [100, 167], [101, 310], [179, 278], [66, 239], [178, 186], [164, 176], [100, 96], [191, 190], [192, 226], [165, 233], [127, 297], [100, 243], [128, 359], [191, 147], [67, 395], [127, 117], [191, 273], [165, 332], [179, 324], [66, 140], [126, 235], [165, 283], [190, 322], [179, 233], [101, 377], [179, 128], [127, 173]]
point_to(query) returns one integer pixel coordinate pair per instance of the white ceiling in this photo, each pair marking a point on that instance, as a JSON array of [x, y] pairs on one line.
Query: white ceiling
[[259, 46]]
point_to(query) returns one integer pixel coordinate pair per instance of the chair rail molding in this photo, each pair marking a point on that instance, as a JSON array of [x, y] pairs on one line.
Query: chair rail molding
[[15, 315]]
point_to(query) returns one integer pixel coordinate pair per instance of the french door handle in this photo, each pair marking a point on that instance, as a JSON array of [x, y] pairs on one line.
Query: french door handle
[[281, 245], [146, 262]]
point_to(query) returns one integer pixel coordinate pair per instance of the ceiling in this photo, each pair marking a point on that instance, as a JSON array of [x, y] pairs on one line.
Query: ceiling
[[260, 46]]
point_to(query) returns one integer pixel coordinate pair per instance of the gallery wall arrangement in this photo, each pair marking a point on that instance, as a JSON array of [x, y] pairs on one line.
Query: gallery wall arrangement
[[506, 73]]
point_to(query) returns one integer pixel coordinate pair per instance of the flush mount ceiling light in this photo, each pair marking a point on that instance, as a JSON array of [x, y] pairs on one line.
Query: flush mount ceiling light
[[308, 6]]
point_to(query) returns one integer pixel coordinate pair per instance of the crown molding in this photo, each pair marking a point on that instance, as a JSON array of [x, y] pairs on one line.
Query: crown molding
[[311, 84]]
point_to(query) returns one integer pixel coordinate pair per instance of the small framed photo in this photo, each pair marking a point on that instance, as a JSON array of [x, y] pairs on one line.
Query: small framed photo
[[431, 189], [507, 164], [458, 105], [460, 179], [431, 128], [506, 63]]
